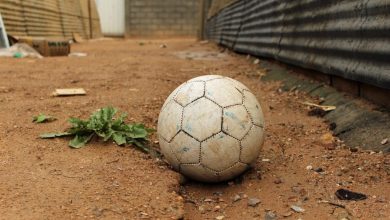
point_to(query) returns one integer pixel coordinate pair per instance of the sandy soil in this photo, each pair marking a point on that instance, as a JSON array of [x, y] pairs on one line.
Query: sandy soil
[[45, 179]]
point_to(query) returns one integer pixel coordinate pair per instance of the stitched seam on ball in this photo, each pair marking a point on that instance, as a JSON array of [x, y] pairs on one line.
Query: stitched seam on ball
[[231, 166], [241, 147], [181, 119], [246, 135], [260, 126], [193, 101], [173, 153], [239, 157], [229, 106], [190, 164], [250, 115], [204, 89], [191, 136], [178, 103], [222, 119], [213, 101], [238, 90], [173, 98], [209, 169], [204, 93], [230, 135], [163, 138], [200, 153], [212, 135], [177, 133], [221, 77]]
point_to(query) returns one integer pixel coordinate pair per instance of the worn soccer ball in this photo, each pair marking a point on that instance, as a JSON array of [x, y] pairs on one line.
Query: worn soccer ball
[[211, 128]]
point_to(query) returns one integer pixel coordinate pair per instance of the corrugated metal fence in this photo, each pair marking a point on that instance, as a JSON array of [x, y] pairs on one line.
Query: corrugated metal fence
[[347, 38], [48, 18]]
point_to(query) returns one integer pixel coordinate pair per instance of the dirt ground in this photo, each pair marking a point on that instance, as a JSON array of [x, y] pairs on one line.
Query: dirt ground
[[45, 179]]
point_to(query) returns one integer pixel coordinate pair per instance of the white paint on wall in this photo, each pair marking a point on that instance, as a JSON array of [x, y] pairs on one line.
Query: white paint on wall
[[112, 17]]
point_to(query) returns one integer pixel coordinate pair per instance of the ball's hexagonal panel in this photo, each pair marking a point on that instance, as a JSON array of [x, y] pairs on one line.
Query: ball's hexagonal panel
[[233, 171], [236, 121], [169, 120], [190, 92], [168, 153], [251, 145], [206, 78], [254, 108], [237, 84], [186, 148], [220, 152], [223, 92], [202, 118], [199, 172]]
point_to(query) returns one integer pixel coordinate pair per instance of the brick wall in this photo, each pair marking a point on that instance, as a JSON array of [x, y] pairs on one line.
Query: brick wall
[[165, 18]]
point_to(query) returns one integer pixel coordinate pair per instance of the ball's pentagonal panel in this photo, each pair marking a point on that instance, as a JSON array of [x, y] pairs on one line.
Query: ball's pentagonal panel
[[233, 171], [186, 148], [202, 118], [206, 78], [236, 121], [254, 108], [238, 85], [222, 92], [220, 152], [190, 92], [169, 121], [199, 172], [251, 145], [168, 153]]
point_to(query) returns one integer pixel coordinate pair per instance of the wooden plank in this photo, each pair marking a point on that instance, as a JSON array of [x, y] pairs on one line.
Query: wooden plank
[[69, 92]]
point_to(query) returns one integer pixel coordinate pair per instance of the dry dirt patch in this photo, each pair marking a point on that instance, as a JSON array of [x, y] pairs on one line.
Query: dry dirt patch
[[46, 179]]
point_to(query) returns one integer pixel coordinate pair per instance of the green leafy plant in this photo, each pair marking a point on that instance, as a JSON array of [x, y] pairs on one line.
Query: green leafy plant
[[41, 118], [103, 124]]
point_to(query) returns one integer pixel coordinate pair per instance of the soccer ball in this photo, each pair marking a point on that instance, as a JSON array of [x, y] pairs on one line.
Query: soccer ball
[[211, 128]]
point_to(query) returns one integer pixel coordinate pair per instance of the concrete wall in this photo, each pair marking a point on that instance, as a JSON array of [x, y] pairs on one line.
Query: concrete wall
[[162, 18]]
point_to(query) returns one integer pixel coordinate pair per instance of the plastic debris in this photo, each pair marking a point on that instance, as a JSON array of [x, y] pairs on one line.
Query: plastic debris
[[344, 194], [77, 54], [326, 108], [20, 50]]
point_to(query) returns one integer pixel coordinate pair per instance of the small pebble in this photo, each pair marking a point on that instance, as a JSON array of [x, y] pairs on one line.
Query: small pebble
[[270, 216], [220, 217], [287, 214], [201, 209], [278, 181], [218, 193], [297, 209], [236, 198], [310, 167], [253, 202]]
